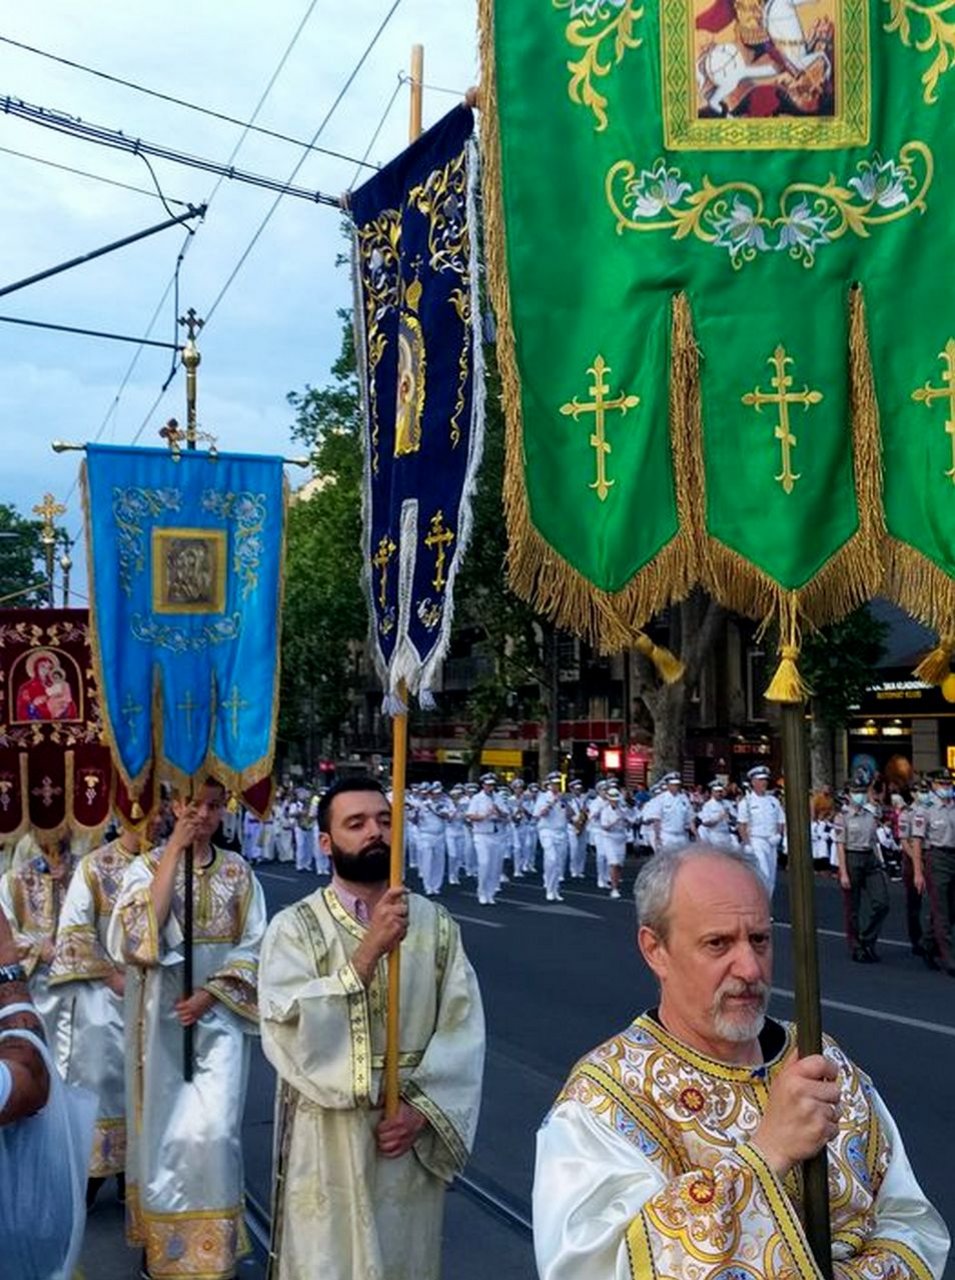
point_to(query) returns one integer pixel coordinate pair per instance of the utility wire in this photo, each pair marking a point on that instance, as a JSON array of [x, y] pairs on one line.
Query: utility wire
[[84, 173], [380, 126], [116, 140], [181, 102], [88, 333], [317, 134]]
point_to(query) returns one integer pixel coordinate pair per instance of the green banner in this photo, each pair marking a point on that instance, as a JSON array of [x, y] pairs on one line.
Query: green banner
[[715, 231]]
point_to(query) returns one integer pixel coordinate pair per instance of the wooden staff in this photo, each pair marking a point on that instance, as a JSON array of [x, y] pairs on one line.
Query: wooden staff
[[399, 753], [808, 1007]]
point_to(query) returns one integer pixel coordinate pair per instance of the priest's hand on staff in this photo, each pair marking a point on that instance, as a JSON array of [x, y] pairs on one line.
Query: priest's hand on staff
[[802, 1114], [189, 1009], [386, 929], [116, 981], [185, 831], [397, 1136]]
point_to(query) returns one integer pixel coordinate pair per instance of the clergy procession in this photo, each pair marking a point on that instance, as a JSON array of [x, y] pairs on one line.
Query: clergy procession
[[498, 853]]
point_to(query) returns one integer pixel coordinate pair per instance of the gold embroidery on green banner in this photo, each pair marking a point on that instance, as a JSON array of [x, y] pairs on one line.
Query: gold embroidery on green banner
[[601, 29], [782, 398], [753, 74], [732, 215], [599, 407], [928, 394], [436, 541], [938, 35]]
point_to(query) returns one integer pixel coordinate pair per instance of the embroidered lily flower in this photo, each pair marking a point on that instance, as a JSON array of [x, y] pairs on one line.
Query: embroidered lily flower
[[656, 189], [803, 232], [740, 231], [881, 182]]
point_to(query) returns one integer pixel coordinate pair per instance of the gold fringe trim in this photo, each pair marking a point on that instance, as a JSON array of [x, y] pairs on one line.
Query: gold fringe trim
[[537, 572], [668, 666]]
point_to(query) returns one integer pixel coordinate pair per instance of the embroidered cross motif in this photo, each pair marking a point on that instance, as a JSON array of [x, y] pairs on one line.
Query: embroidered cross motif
[[783, 398], [928, 394], [234, 705], [188, 706], [386, 549], [131, 712], [600, 407], [439, 538]]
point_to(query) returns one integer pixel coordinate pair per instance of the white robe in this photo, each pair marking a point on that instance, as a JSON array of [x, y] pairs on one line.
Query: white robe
[[89, 1014], [645, 1168], [184, 1177], [342, 1211]]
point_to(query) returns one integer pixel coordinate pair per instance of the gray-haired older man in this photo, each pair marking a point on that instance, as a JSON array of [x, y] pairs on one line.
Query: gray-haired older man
[[672, 1149]]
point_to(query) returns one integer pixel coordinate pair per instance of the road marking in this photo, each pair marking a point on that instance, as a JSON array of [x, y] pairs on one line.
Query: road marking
[[880, 1015], [272, 875], [834, 933], [488, 924], [556, 909]]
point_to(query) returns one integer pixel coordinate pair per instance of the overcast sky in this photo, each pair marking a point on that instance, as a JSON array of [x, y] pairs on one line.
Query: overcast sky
[[276, 328]]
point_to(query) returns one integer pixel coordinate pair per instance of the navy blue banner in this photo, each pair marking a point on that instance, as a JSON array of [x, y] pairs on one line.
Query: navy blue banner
[[417, 325]]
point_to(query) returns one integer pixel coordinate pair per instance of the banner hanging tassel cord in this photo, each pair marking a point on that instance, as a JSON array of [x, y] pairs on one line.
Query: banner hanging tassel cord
[[668, 666], [936, 667]]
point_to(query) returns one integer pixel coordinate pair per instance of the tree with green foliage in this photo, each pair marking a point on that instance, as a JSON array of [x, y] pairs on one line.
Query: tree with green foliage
[[837, 664], [324, 615], [22, 560]]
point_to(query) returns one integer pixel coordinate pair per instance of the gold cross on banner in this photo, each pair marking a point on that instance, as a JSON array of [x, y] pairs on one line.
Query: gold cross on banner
[[188, 706], [131, 711], [928, 394], [439, 537], [599, 407], [386, 549], [47, 792], [48, 510], [234, 705], [783, 399]]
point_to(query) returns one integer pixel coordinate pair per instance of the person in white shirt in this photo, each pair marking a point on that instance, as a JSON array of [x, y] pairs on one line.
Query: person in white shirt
[[715, 822], [487, 820], [595, 832], [553, 830], [515, 831], [533, 795], [762, 823], [456, 833], [433, 814], [470, 857], [577, 809], [674, 823], [615, 826]]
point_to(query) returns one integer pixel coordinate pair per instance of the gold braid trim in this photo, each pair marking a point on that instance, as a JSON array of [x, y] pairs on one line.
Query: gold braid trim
[[895, 1248], [536, 572], [848, 578]]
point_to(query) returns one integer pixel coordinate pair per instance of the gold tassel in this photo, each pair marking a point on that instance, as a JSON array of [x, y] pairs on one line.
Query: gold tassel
[[668, 666], [787, 684], [136, 812], [936, 667]]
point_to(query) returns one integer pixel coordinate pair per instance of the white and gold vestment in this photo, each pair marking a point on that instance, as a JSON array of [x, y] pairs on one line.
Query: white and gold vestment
[[184, 1176], [341, 1210], [89, 1014], [645, 1168]]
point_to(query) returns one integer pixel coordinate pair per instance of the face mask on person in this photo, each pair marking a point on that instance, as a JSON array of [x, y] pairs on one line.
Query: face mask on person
[[944, 793], [857, 797]]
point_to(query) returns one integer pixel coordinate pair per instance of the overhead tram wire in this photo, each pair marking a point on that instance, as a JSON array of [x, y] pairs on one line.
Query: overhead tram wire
[[116, 140], [304, 156], [189, 106], [402, 80], [96, 177]]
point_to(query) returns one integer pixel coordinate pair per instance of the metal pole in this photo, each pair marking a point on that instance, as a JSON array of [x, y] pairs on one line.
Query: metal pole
[[808, 1007]]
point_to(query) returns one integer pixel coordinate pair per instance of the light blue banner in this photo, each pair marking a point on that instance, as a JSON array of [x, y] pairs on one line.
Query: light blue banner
[[186, 565]]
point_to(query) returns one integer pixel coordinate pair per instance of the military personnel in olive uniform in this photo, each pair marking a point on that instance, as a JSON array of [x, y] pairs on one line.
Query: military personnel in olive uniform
[[908, 815], [861, 874], [935, 843]]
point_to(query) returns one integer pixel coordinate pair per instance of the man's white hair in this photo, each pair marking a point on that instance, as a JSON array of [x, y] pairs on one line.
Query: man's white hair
[[653, 890]]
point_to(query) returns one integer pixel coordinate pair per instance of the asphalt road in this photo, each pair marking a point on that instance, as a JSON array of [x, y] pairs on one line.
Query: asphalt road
[[559, 978]]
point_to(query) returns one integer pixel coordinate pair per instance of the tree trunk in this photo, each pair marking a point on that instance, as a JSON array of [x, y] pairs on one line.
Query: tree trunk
[[821, 753], [669, 728], [548, 736]]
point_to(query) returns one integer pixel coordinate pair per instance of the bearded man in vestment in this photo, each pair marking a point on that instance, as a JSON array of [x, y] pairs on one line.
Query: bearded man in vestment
[[359, 1195], [184, 1175], [674, 1147], [90, 1009]]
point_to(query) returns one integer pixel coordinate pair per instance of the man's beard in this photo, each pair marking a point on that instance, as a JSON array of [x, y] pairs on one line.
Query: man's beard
[[739, 1025], [371, 866]]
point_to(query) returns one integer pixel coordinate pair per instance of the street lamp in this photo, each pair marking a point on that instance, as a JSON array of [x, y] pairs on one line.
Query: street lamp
[[66, 564]]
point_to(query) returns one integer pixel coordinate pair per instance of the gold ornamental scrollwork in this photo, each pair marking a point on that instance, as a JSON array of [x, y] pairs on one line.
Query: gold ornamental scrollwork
[[936, 35], [378, 246], [732, 216], [602, 31]]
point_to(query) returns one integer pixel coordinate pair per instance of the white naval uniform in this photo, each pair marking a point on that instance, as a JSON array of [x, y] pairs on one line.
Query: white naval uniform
[[615, 825], [763, 817], [487, 824], [720, 832], [432, 821], [598, 840], [456, 838], [675, 816], [553, 832], [578, 839]]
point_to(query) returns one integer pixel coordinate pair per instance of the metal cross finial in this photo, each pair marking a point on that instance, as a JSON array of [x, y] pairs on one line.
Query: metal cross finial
[[928, 394], [191, 323], [439, 538], [599, 407], [48, 510], [386, 549], [783, 398]]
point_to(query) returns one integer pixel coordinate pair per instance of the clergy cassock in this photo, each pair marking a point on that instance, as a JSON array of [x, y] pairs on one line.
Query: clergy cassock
[[32, 898], [90, 1014], [184, 1178], [343, 1211], [645, 1168]]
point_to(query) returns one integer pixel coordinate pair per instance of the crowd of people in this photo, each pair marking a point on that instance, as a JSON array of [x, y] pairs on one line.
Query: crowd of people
[[92, 955]]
